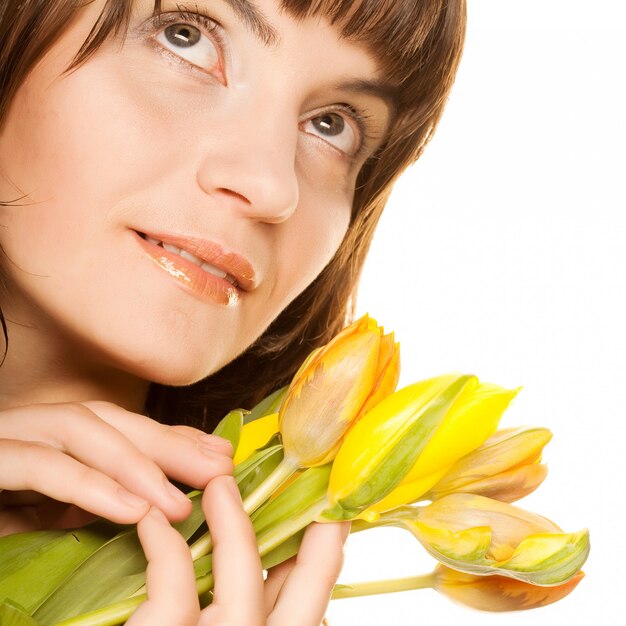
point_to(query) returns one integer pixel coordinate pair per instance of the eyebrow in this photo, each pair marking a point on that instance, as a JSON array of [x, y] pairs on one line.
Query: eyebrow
[[253, 17]]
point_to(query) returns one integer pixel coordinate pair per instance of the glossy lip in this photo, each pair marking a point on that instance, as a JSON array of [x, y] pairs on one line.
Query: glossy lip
[[213, 254], [191, 277]]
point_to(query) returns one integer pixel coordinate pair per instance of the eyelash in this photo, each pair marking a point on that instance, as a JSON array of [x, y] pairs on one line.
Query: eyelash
[[204, 22], [200, 20], [360, 118], [210, 26]]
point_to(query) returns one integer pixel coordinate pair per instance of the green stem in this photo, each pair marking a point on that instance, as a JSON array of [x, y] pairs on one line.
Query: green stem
[[283, 471], [383, 586], [286, 468], [119, 612], [201, 547], [273, 537]]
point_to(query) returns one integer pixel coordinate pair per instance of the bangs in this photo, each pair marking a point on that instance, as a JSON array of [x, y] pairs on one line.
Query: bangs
[[392, 30]]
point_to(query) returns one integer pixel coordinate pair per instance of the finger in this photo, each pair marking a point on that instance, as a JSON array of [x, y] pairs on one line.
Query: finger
[[196, 434], [170, 579], [276, 577], [27, 465], [304, 596], [81, 434], [236, 562], [184, 453]]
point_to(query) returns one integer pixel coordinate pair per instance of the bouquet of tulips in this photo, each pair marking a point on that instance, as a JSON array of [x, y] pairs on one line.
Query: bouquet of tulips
[[339, 444]]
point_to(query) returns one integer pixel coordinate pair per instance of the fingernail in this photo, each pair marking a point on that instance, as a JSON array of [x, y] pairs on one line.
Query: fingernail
[[231, 484], [174, 493], [215, 444], [211, 451], [130, 498]]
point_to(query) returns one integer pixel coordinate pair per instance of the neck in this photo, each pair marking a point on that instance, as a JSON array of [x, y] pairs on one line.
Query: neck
[[33, 373]]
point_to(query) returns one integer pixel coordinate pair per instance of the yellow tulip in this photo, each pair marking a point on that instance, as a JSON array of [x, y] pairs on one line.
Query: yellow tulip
[[481, 536], [382, 447], [498, 593], [506, 467], [472, 418], [356, 369]]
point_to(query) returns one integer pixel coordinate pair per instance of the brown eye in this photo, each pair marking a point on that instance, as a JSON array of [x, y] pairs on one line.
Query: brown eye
[[330, 124], [336, 130], [182, 35], [192, 45]]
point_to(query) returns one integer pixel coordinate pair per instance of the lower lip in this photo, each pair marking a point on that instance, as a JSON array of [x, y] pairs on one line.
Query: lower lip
[[191, 277]]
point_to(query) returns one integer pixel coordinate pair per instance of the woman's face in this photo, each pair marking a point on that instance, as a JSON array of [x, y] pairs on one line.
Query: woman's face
[[197, 134]]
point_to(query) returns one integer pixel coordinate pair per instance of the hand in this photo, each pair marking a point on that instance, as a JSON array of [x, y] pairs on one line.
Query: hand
[[296, 593], [63, 464]]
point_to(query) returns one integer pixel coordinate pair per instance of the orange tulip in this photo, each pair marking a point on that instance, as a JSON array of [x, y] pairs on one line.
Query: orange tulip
[[498, 593], [506, 467], [333, 388]]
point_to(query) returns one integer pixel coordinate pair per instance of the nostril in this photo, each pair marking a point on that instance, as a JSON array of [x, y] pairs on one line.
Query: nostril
[[234, 194]]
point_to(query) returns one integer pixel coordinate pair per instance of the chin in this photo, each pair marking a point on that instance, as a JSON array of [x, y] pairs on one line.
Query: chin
[[178, 369]]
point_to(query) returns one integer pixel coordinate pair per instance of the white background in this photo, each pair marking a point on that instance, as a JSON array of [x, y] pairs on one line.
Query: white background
[[502, 253]]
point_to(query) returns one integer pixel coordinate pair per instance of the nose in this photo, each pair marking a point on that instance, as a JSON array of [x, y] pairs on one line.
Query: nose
[[250, 163]]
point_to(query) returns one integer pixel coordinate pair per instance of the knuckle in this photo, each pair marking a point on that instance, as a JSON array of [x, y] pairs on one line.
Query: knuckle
[[188, 431], [33, 455], [85, 476], [73, 415], [97, 404]]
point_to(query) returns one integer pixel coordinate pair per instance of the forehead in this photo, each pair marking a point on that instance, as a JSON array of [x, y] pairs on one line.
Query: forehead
[[391, 30]]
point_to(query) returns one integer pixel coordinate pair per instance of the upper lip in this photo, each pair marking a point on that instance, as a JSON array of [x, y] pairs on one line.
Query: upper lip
[[214, 254]]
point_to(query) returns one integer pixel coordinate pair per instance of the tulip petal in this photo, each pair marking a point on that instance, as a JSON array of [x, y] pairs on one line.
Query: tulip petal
[[255, 435], [387, 375], [405, 493], [470, 544], [521, 545], [506, 487], [549, 558], [509, 525], [327, 394], [507, 450], [472, 419], [381, 447], [498, 593]]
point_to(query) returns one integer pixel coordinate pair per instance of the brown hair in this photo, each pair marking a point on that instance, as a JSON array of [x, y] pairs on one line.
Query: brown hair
[[418, 44]]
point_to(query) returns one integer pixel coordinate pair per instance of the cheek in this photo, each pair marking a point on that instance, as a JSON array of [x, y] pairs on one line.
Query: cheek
[[314, 233]]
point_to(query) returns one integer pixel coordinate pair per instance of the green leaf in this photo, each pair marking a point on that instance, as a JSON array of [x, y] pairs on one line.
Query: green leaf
[[284, 551], [268, 405], [230, 427], [260, 470], [114, 572], [305, 490], [247, 468], [48, 558], [12, 614]]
